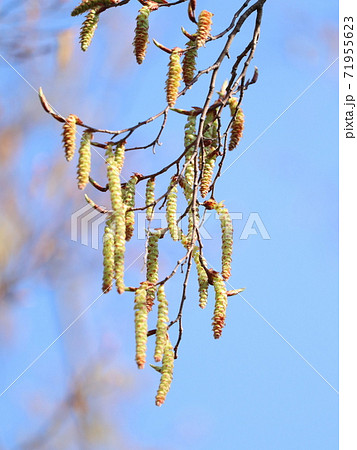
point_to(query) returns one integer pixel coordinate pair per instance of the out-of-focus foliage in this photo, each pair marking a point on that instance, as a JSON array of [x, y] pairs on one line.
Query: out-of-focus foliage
[[36, 253]]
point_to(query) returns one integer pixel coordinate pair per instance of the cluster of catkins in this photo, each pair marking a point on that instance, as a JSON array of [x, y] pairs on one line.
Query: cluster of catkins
[[120, 223], [119, 228], [176, 70]]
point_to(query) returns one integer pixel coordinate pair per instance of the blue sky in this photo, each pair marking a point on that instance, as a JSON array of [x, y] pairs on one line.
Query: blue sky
[[250, 389]]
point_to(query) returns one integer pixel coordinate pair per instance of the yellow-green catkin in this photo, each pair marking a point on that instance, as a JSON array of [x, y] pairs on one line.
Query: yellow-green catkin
[[211, 129], [119, 249], [88, 29], [129, 200], [204, 27], [91, 4], [185, 241], [190, 136], [167, 371], [207, 172], [210, 136], [119, 155], [141, 325], [171, 208], [162, 322], [150, 197], [141, 38], [202, 278], [219, 315], [210, 152], [237, 125], [69, 136], [152, 267], [193, 225], [227, 239], [84, 161], [113, 175], [173, 77], [189, 62], [108, 256], [118, 217]]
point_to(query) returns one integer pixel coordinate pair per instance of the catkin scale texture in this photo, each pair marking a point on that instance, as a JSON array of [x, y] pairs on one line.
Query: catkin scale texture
[[190, 136], [141, 325], [173, 77], [91, 4], [237, 125], [84, 160], [88, 29], [189, 62], [119, 156], [119, 249], [119, 208], [150, 197], [162, 322], [204, 27], [219, 315], [167, 370], [171, 208], [129, 200], [141, 38], [69, 136], [209, 152], [108, 256], [152, 267], [113, 175], [207, 172], [227, 239], [202, 279]]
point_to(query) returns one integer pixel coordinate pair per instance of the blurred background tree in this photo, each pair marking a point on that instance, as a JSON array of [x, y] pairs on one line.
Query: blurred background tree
[[38, 293], [84, 392]]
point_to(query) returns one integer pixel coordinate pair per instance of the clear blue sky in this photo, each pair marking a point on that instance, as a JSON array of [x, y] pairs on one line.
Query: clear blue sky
[[249, 390]]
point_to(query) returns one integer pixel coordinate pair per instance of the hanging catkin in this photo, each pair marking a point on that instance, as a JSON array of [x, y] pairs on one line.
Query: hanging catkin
[[171, 207], [119, 248], [204, 27], [162, 322], [219, 315], [227, 239], [108, 256], [207, 172], [190, 136], [119, 156], [91, 4], [189, 62], [113, 175], [150, 198], [88, 29], [118, 217], [141, 325], [84, 160], [210, 151], [193, 225], [69, 136], [211, 127], [167, 370], [202, 278], [237, 125], [173, 76], [141, 38], [129, 200], [152, 267]]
